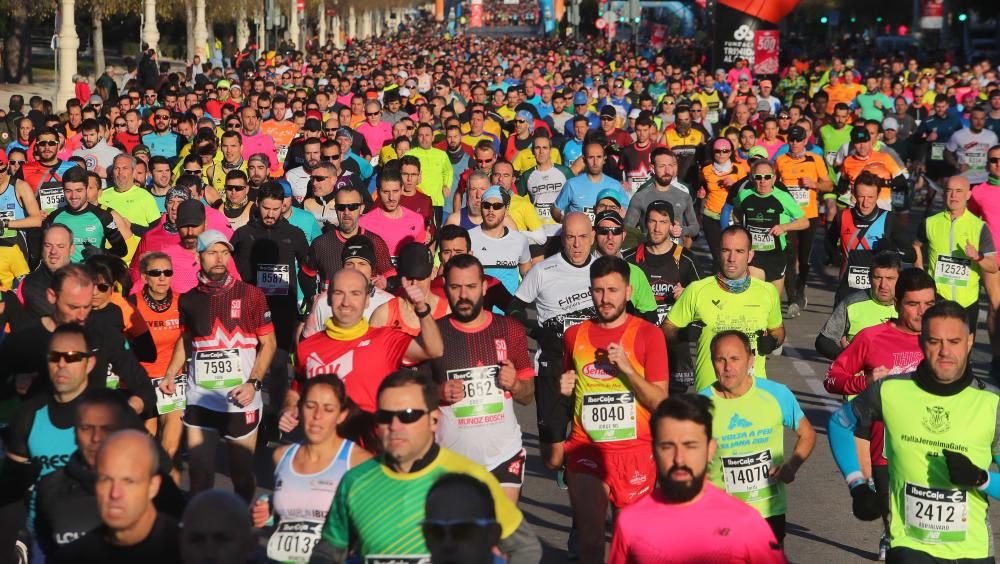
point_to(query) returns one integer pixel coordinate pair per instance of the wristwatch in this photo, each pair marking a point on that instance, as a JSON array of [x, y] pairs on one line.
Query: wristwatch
[[425, 313], [257, 384]]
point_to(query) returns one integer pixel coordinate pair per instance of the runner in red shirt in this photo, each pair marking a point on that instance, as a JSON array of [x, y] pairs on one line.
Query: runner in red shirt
[[360, 355]]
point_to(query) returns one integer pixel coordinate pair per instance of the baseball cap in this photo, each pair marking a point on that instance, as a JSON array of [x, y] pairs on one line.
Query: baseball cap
[[610, 215], [95, 99], [222, 84], [526, 116], [312, 124], [176, 192], [492, 192], [796, 133], [890, 123], [609, 111], [661, 206], [286, 187], [140, 149], [211, 237], [860, 135], [580, 99], [344, 132], [634, 113], [609, 193], [314, 114], [763, 106], [414, 261], [190, 213], [757, 151], [360, 247]]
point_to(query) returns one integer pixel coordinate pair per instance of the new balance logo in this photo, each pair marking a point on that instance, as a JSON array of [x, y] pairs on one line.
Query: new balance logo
[[737, 421]]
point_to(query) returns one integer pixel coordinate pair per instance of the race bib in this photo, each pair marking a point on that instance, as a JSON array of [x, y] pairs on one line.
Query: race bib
[[936, 515], [976, 161], [219, 369], [761, 238], [857, 278], [176, 401], [590, 214], [8, 215], [51, 198], [712, 116], [800, 195], [293, 541], [282, 153], [608, 417], [390, 559], [273, 279], [544, 211], [898, 199], [937, 151], [746, 477], [483, 395], [634, 182], [662, 310], [953, 271], [831, 158]]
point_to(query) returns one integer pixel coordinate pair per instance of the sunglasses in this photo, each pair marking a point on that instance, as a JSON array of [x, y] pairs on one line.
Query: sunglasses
[[437, 530], [607, 118], [232, 126], [235, 187], [519, 121], [335, 157], [759, 177], [405, 416], [494, 205], [120, 124], [784, 116], [16, 163], [991, 160], [102, 287], [722, 151], [344, 207], [47, 143], [156, 273], [372, 114], [319, 178], [610, 230], [192, 171], [70, 357], [161, 118]]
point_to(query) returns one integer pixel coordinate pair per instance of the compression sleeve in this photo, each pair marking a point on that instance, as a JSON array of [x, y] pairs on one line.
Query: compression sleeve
[[827, 347], [116, 243], [691, 224], [840, 432]]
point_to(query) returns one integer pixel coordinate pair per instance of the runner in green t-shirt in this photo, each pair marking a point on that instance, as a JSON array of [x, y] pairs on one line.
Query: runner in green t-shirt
[[748, 415], [732, 299]]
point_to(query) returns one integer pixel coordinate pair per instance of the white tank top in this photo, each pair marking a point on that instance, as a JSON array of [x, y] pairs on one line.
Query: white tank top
[[307, 497]]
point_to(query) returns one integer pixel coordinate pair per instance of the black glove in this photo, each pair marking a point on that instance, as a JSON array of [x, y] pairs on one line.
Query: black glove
[[865, 503], [766, 344], [90, 251], [962, 471]]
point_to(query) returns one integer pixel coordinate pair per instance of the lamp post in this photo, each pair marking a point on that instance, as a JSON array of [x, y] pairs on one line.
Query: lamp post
[[69, 45]]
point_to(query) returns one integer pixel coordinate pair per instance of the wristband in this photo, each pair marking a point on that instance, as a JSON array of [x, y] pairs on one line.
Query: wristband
[[423, 314]]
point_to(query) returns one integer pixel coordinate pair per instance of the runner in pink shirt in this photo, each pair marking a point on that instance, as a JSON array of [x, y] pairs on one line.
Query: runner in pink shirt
[[686, 518], [985, 203], [396, 224], [375, 131]]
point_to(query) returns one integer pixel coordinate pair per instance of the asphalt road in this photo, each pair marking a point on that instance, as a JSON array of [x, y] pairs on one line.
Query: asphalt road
[[820, 525]]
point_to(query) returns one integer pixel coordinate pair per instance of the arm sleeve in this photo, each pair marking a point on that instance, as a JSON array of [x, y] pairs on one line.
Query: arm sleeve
[[836, 325], [691, 226], [900, 240], [633, 214], [116, 243], [827, 347], [843, 377], [986, 244]]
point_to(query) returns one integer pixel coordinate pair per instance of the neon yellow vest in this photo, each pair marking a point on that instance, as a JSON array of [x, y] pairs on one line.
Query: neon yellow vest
[[956, 275]]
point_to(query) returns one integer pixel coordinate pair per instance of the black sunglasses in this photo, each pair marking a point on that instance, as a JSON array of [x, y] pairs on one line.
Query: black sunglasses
[[992, 160], [494, 205], [405, 416], [192, 171], [70, 357], [235, 187], [102, 287], [156, 273], [345, 207], [46, 143], [319, 178], [610, 230], [437, 530]]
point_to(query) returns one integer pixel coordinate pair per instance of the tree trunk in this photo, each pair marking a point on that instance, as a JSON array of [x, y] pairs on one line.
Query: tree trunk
[[242, 29], [17, 46], [189, 19], [97, 38]]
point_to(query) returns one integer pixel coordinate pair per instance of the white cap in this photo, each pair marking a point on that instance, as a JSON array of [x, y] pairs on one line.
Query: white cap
[[634, 113], [890, 123]]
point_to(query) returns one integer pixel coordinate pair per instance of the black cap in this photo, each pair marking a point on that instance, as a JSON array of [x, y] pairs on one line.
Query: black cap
[[661, 206], [610, 215], [860, 135], [796, 133], [360, 247], [609, 111], [312, 124], [414, 261], [191, 213]]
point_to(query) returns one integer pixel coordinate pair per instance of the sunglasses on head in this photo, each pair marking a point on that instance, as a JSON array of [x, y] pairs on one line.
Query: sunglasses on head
[[70, 357], [344, 207], [494, 205], [405, 416], [610, 230], [156, 273], [759, 177]]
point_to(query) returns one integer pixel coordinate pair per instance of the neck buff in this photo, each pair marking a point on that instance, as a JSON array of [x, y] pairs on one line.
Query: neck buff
[[734, 286], [994, 181], [338, 333], [212, 287], [157, 305], [723, 168]]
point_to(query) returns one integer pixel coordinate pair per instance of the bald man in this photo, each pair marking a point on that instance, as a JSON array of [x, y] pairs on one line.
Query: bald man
[[132, 530], [217, 529], [361, 355], [956, 248], [559, 289]]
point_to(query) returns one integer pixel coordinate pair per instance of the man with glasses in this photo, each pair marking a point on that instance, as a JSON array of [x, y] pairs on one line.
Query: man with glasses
[[610, 234], [162, 141], [325, 251], [320, 203], [45, 173], [503, 252], [408, 417], [237, 206], [375, 131]]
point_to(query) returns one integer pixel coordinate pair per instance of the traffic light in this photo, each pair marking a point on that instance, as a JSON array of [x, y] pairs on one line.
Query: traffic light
[[621, 19], [878, 19], [963, 16], [854, 19], [823, 20]]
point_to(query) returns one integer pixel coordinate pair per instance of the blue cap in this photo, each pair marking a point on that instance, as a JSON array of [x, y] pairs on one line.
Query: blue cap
[[286, 186], [610, 193], [580, 99], [492, 192], [526, 116]]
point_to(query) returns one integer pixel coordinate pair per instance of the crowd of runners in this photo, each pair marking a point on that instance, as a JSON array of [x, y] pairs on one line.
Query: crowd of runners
[[350, 265]]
